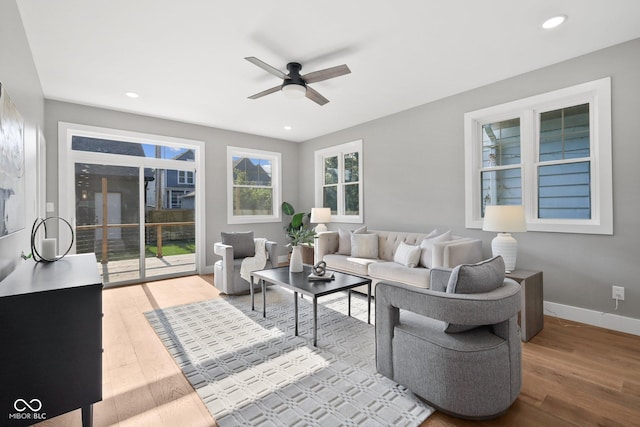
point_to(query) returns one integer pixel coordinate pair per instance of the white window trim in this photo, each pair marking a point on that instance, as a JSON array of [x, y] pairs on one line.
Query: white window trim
[[598, 94], [340, 150], [276, 173], [186, 179]]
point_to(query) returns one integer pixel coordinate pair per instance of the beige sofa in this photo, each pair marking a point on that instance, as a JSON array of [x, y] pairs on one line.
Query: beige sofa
[[453, 251]]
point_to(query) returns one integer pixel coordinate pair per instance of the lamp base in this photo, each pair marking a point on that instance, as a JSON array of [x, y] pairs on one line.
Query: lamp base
[[506, 246], [321, 228]]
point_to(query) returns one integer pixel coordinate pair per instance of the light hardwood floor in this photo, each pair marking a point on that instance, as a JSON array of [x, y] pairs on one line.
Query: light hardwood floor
[[573, 374]]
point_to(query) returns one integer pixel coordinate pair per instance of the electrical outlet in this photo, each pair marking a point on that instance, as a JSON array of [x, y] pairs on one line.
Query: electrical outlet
[[617, 292]]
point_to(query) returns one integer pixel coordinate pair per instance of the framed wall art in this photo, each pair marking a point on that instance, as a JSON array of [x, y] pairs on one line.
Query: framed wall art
[[12, 179]]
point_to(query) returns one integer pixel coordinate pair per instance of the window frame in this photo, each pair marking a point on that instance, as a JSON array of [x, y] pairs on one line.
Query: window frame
[[340, 151], [276, 172], [66, 179], [186, 178], [598, 95]]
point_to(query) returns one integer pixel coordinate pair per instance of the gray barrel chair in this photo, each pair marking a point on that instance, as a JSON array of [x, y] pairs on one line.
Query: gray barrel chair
[[473, 370], [226, 272]]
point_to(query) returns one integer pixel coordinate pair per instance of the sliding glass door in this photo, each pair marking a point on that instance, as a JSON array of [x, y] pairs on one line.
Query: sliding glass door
[[133, 204], [108, 218], [170, 228]]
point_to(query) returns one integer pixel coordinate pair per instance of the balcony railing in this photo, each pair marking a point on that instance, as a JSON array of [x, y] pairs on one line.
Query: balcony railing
[[83, 244]]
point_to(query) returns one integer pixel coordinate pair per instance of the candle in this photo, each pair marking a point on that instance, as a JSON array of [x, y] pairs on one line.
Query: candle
[[49, 249]]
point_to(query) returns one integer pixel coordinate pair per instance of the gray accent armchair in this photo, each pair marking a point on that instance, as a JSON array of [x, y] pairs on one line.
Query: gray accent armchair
[[474, 374], [226, 272]]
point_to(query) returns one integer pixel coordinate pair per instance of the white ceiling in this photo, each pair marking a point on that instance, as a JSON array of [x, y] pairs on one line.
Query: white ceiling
[[185, 58]]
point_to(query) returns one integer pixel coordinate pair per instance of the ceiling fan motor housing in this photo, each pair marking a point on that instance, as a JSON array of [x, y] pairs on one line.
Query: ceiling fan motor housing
[[294, 75]]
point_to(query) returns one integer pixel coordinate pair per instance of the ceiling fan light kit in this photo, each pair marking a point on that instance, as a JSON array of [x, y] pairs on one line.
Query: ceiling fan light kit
[[294, 91], [293, 84]]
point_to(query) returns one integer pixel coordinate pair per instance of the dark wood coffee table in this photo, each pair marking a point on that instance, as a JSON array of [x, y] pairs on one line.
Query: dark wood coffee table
[[300, 284]]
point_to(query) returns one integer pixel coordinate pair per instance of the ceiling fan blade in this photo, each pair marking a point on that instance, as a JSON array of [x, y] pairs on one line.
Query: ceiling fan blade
[[265, 92], [315, 96], [326, 74], [268, 68]]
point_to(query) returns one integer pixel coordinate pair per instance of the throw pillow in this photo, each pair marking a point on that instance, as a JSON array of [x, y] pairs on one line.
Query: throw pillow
[[407, 255], [484, 276], [364, 245], [426, 256], [344, 239], [242, 242], [432, 233]]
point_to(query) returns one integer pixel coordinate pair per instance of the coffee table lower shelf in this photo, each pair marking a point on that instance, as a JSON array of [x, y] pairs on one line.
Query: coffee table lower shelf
[[300, 284]]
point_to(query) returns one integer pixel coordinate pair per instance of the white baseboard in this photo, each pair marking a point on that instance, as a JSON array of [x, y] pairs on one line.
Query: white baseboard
[[207, 269], [282, 259], [601, 319]]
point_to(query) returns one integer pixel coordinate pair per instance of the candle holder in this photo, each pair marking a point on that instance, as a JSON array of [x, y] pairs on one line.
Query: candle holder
[[47, 256]]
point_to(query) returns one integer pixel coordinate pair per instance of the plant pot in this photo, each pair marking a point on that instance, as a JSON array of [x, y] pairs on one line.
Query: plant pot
[[295, 265]]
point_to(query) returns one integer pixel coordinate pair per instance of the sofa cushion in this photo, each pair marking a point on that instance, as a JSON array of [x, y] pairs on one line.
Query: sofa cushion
[[388, 270], [477, 278], [388, 241], [242, 242], [344, 239], [426, 257], [359, 266], [364, 245], [407, 255]]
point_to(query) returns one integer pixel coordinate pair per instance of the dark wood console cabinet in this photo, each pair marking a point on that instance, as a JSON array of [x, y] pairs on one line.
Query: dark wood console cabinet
[[50, 340]]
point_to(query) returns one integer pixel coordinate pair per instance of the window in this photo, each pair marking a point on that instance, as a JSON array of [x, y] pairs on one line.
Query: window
[[564, 164], [254, 191], [339, 177], [501, 170], [550, 153], [185, 177], [174, 198]]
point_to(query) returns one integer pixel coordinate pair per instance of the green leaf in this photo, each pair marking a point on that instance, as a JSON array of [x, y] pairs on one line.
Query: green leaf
[[287, 208], [296, 220]]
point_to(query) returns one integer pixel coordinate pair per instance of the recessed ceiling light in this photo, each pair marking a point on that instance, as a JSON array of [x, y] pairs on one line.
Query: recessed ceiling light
[[288, 128], [132, 94], [554, 22]]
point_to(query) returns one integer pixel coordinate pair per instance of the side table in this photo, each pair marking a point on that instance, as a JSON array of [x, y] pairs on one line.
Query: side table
[[531, 313], [307, 254]]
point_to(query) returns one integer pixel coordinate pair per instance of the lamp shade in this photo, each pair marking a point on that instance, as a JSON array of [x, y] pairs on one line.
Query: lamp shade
[[320, 215], [504, 219]]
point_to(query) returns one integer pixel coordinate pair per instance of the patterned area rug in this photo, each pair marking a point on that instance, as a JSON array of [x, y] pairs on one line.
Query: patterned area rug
[[253, 371]]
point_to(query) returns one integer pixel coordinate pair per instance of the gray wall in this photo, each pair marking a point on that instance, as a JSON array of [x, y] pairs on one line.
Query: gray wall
[[18, 76], [414, 178], [216, 141], [413, 165]]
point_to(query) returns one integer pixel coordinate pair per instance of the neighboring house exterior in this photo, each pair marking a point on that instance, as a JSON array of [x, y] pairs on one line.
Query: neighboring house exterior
[[173, 186], [189, 200], [254, 173]]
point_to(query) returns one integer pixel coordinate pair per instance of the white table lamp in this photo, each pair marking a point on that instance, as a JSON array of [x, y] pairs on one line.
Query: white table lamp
[[320, 216], [505, 219]]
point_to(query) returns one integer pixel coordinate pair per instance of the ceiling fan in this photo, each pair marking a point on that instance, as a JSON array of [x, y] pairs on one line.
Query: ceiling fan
[[296, 86]]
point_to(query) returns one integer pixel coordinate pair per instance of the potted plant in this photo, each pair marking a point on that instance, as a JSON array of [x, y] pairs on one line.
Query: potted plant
[[299, 234], [298, 220]]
